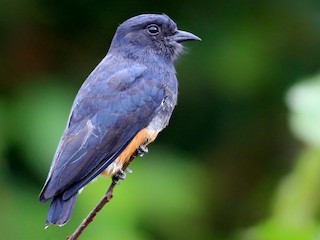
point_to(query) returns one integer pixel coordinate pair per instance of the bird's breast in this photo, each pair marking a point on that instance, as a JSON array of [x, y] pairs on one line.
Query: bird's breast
[[163, 115]]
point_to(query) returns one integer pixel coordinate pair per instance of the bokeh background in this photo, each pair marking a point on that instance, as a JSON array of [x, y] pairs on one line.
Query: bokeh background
[[241, 157]]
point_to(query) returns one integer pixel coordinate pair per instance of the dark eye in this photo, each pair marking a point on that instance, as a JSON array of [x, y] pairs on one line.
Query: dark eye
[[153, 29]]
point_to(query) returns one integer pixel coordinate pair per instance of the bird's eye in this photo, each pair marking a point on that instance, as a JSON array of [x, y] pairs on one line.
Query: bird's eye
[[153, 29]]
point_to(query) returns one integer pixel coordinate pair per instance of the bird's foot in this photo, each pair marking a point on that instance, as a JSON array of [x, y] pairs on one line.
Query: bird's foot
[[141, 150], [121, 175]]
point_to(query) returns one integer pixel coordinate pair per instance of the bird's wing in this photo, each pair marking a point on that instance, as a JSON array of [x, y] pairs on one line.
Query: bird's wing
[[105, 117]]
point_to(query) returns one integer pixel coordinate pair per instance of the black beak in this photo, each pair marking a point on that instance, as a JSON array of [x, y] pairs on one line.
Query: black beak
[[182, 36]]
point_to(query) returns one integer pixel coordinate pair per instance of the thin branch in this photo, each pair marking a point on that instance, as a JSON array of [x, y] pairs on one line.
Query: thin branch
[[103, 201]]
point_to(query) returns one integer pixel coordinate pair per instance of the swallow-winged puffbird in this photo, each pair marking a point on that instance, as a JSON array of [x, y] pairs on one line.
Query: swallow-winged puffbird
[[120, 108]]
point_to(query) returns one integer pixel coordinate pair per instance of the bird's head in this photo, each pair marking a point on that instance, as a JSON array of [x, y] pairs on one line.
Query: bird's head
[[150, 34]]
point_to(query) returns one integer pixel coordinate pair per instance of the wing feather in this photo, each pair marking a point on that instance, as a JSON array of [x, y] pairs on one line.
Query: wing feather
[[107, 113]]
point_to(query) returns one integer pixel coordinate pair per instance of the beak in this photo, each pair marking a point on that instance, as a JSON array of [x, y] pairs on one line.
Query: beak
[[182, 36]]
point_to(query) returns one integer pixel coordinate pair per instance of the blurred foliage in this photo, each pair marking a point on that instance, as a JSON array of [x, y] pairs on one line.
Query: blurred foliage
[[297, 200], [235, 161], [304, 102]]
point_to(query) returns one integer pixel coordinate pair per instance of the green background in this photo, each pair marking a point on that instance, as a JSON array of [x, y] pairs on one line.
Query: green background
[[241, 157]]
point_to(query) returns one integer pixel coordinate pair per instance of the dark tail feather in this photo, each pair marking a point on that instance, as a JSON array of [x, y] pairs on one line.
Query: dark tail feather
[[60, 210]]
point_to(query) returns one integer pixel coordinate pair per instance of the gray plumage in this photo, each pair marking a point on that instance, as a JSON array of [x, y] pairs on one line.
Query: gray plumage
[[132, 88]]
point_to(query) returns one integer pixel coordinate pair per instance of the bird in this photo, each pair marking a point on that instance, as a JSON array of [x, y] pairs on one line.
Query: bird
[[119, 109]]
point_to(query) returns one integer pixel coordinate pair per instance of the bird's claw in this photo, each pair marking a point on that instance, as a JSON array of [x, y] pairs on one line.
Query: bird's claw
[[121, 175], [141, 150]]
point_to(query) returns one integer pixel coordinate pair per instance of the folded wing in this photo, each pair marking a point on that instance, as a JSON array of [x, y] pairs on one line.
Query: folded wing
[[106, 115]]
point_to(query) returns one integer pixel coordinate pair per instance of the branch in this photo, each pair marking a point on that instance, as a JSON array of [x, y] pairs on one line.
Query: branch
[[103, 201]]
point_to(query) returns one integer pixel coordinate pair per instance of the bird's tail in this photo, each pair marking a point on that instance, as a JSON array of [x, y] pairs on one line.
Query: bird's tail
[[60, 210]]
